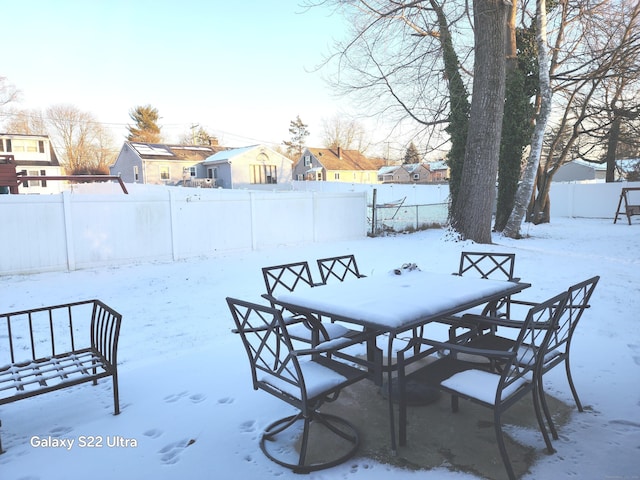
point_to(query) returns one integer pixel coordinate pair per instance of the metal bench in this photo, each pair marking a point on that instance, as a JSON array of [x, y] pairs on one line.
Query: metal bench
[[51, 348]]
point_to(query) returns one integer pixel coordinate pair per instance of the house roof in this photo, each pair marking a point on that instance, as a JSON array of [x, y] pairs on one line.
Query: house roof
[[347, 160], [158, 151], [228, 155]]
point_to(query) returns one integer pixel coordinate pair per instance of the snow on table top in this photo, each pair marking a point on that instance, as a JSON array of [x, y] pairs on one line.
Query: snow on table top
[[392, 301]]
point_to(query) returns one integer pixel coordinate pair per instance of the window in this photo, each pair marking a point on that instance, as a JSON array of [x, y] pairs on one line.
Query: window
[[41, 146], [164, 173], [9, 145], [30, 146], [336, 176], [300, 177], [43, 173], [136, 175], [416, 176], [33, 183], [307, 160], [263, 174], [192, 172], [1, 145]]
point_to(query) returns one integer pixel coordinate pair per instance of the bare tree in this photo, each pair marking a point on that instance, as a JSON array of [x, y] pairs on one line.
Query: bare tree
[[596, 41], [82, 143], [526, 187], [26, 122], [342, 131], [8, 92]]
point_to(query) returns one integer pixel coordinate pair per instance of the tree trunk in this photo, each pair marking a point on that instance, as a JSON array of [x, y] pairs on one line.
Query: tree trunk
[[472, 211], [612, 146], [525, 190]]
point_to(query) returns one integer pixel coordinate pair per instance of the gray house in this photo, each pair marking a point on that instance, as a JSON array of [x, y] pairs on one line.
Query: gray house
[[162, 164]]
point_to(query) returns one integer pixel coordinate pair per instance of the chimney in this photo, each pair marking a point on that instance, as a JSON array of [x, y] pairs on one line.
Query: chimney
[[339, 153]]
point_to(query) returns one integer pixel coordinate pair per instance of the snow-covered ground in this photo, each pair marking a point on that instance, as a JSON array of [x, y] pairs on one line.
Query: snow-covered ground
[[188, 409]]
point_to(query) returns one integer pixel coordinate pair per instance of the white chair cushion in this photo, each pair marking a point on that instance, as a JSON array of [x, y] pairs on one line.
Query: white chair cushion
[[481, 385], [317, 379]]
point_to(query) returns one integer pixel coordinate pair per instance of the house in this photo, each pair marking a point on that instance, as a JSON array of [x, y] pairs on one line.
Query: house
[[579, 170], [154, 163], [414, 173], [336, 165], [33, 155], [247, 167]]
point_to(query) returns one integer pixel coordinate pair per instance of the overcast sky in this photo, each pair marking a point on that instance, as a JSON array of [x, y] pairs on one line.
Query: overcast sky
[[240, 69]]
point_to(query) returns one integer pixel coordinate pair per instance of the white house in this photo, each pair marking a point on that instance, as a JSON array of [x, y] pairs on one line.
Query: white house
[[256, 166], [34, 156]]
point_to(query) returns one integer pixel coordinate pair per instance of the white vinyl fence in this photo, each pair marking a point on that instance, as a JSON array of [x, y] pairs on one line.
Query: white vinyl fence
[[76, 230], [69, 231]]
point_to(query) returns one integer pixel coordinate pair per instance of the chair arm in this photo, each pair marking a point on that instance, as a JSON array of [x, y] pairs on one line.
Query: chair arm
[[459, 348], [487, 321], [330, 346]]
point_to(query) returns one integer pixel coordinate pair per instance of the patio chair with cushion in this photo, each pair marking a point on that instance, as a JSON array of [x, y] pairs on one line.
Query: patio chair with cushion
[[559, 345], [305, 379], [339, 268], [487, 265], [496, 389], [287, 278]]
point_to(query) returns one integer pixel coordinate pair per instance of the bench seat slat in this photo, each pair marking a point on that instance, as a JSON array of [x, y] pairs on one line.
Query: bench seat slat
[[49, 372]]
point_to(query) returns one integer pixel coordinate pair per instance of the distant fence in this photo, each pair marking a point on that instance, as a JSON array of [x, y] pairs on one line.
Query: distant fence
[[69, 231], [387, 218]]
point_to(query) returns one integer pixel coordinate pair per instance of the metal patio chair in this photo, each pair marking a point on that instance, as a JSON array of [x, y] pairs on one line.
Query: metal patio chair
[[496, 389], [305, 379], [287, 278], [487, 265], [339, 268], [559, 348]]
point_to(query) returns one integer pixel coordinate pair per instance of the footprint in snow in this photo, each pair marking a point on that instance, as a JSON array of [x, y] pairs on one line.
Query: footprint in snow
[[153, 433], [170, 453]]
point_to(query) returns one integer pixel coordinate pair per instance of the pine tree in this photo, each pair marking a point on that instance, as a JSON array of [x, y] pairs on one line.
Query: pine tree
[[412, 155], [298, 132], [146, 129]]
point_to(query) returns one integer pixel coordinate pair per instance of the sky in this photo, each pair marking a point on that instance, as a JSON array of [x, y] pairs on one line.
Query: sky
[[241, 70], [185, 387]]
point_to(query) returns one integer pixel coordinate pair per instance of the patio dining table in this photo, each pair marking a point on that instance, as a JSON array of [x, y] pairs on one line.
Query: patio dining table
[[397, 302]]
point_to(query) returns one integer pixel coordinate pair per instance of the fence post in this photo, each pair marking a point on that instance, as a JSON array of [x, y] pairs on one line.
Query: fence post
[[68, 230], [172, 226], [373, 213]]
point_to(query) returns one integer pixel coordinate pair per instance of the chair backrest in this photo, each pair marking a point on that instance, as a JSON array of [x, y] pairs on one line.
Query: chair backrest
[[577, 302], [532, 342], [287, 277], [269, 348], [338, 267], [498, 266]]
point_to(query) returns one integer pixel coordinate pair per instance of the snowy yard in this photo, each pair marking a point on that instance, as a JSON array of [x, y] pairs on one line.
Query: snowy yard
[[188, 409]]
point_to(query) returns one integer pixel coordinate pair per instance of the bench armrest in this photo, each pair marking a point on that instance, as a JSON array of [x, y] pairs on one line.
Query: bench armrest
[[105, 331]]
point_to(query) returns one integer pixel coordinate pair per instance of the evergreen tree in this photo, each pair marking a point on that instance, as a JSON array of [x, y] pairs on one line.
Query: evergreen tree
[[298, 132], [517, 123], [412, 155], [146, 127]]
